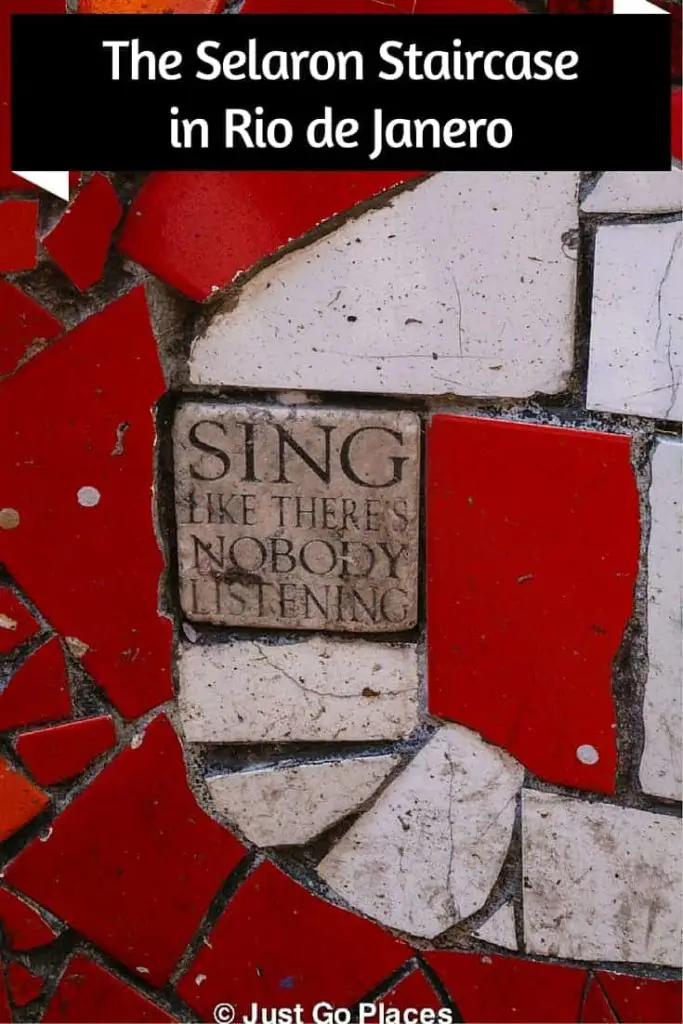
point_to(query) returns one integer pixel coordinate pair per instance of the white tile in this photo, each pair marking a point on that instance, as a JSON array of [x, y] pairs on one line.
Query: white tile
[[600, 882], [287, 806], [462, 285], [429, 850], [660, 768], [499, 930], [636, 340], [636, 192], [319, 689]]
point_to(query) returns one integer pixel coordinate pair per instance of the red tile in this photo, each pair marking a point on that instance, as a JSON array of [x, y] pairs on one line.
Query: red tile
[[8, 7], [24, 986], [676, 124], [532, 550], [414, 992], [63, 752], [5, 1014], [88, 993], [18, 243], [581, 6], [20, 800], [38, 691], [500, 989], [643, 1000], [79, 242], [101, 587], [133, 862], [277, 944], [16, 621], [23, 323], [199, 231], [596, 1009], [23, 928]]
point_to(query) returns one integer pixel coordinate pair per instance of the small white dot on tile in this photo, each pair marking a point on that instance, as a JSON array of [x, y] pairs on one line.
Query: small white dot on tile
[[587, 754], [88, 497]]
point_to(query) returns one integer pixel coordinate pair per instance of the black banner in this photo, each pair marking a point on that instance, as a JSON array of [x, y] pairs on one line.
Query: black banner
[[300, 92]]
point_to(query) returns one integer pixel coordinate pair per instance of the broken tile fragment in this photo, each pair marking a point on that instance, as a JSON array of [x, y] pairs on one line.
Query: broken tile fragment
[[642, 1000], [601, 882], [291, 959], [661, 767], [595, 1008], [68, 478], [251, 691], [64, 751], [449, 311], [636, 337], [636, 192], [18, 242], [199, 230], [499, 929], [38, 691], [428, 852], [20, 800], [144, 908], [501, 989], [16, 621], [24, 986], [288, 806], [23, 928], [533, 539], [412, 992], [24, 323], [87, 993], [79, 242]]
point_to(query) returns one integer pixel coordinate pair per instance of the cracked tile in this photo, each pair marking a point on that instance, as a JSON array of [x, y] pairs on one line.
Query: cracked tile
[[601, 882], [25, 327], [428, 852], [636, 338], [499, 929], [661, 767], [87, 992], [249, 692], [438, 292], [636, 192], [64, 751], [38, 691], [642, 1000], [23, 928], [288, 806]]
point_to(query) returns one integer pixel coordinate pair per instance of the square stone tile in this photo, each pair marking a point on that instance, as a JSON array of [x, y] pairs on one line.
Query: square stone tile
[[297, 517]]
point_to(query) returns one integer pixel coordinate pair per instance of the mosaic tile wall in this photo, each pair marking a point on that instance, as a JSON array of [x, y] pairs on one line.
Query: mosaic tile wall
[[418, 748]]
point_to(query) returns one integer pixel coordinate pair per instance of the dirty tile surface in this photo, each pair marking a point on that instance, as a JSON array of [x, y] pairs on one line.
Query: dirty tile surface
[[636, 339], [602, 881], [457, 268], [311, 521], [636, 192], [255, 692]]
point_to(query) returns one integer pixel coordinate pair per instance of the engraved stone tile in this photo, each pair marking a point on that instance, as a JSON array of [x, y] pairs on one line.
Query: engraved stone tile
[[297, 518]]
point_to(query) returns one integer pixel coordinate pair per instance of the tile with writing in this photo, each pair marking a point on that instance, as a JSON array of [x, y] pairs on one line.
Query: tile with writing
[[297, 518]]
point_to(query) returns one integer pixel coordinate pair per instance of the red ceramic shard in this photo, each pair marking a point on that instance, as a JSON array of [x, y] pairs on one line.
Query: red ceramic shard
[[200, 230], [643, 1000], [22, 927], [95, 431], [133, 862], [38, 691], [532, 550], [63, 752], [24, 986], [8, 7], [23, 323], [676, 124], [20, 800], [87, 993], [496, 988], [596, 1009], [272, 946], [16, 621], [79, 242], [5, 1013], [413, 992], [18, 225]]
